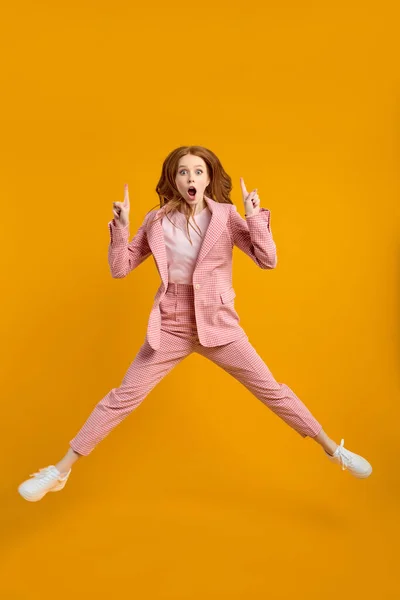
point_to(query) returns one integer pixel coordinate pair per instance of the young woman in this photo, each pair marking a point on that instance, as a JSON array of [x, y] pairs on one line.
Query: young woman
[[193, 309]]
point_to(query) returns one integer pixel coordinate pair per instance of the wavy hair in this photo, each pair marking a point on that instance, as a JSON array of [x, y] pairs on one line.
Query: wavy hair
[[218, 189]]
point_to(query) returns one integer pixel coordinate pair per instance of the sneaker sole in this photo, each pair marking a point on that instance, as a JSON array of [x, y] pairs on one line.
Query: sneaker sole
[[30, 498], [363, 475], [35, 497]]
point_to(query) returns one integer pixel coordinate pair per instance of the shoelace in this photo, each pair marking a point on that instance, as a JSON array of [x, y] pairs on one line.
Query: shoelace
[[344, 456], [41, 474]]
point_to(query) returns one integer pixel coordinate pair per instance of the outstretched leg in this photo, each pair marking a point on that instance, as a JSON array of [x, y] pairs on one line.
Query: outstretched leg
[[241, 360], [148, 368]]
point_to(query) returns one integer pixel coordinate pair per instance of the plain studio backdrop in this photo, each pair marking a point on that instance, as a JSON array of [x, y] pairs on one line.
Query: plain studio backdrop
[[202, 492]]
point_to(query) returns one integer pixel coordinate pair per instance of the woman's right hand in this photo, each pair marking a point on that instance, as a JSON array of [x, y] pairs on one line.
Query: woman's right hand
[[121, 210]]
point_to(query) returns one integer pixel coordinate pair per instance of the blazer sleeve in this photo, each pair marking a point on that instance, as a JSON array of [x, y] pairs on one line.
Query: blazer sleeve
[[125, 255], [253, 236]]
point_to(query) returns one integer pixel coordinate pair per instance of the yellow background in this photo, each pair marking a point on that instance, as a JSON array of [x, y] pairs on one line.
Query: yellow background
[[202, 492]]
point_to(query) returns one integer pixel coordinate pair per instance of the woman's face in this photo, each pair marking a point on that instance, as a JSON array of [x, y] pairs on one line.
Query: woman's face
[[192, 171]]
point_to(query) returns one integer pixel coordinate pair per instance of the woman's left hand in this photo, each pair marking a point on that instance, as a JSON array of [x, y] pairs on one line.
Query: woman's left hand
[[251, 200]]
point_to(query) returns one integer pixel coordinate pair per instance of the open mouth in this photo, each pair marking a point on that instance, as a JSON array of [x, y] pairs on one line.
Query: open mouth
[[192, 191]]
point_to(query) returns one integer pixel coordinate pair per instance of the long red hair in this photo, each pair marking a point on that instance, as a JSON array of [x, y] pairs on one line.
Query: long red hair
[[218, 189]]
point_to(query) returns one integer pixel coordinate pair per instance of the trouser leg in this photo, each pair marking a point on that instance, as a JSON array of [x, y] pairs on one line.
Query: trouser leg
[[147, 369], [241, 360]]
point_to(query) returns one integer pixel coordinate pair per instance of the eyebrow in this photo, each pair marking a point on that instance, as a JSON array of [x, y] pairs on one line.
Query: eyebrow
[[186, 166]]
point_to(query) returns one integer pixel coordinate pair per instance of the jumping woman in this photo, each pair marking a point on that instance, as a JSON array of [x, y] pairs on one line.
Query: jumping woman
[[193, 309]]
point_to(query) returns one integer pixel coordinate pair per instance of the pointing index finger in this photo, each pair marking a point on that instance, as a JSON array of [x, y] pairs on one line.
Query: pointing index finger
[[244, 190], [126, 195]]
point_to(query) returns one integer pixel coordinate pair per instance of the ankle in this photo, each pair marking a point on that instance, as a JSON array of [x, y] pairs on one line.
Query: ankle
[[67, 461], [63, 469], [331, 450]]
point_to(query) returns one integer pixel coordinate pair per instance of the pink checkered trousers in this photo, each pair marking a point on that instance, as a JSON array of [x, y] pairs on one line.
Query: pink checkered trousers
[[179, 338]]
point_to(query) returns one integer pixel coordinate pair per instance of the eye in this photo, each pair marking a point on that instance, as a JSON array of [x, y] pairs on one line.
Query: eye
[[181, 171]]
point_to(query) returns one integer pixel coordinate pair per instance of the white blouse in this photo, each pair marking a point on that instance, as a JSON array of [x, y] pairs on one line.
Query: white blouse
[[181, 254]]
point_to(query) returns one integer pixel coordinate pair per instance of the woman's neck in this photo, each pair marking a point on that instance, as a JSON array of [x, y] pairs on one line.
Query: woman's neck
[[197, 209]]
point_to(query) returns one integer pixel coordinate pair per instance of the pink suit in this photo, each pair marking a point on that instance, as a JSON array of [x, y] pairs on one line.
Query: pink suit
[[194, 317]]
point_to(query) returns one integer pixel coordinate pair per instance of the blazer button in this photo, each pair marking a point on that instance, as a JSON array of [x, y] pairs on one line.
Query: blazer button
[[197, 286]]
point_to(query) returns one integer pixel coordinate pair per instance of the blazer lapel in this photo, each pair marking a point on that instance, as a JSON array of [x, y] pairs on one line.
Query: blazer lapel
[[215, 227], [155, 237]]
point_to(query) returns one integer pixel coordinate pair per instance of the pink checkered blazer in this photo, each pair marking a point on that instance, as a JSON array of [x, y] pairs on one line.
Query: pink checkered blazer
[[216, 317]]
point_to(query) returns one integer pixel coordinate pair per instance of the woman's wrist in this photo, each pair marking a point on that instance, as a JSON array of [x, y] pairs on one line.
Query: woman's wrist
[[119, 225]]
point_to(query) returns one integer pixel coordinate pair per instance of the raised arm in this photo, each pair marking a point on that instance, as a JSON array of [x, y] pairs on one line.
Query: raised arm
[[125, 255], [253, 236]]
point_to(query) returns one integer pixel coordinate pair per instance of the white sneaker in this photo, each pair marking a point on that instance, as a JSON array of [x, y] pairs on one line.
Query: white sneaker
[[48, 479], [356, 464]]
